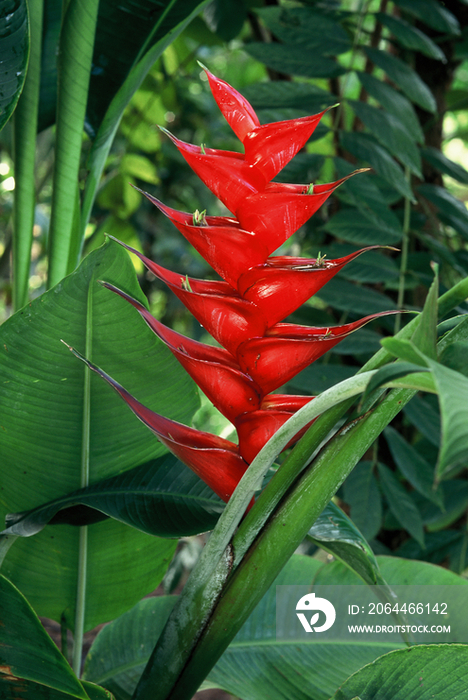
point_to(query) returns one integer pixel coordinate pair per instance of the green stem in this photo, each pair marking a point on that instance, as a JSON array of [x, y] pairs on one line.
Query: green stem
[[80, 605], [404, 254], [276, 543], [74, 67], [24, 145]]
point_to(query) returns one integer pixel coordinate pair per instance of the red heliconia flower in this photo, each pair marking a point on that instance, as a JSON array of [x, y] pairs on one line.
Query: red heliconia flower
[[286, 349], [245, 310], [220, 240], [226, 173], [281, 209], [216, 460], [214, 303], [282, 284], [254, 429], [269, 147], [213, 369]]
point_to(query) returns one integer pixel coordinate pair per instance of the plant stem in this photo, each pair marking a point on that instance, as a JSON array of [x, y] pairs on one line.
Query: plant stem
[[80, 605], [276, 543], [24, 145], [404, 254], [76, 39]]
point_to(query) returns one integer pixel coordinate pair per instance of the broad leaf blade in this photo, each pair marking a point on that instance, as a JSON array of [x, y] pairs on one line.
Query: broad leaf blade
[[29, 657], [14, 54], [337, 534], [41, 412], [420, 672], [401, 504], [163, 498], [362, 495]]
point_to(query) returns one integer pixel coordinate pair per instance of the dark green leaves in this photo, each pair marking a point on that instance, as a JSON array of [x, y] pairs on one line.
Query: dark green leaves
[[31, 665], [405, 77], [366, 148], [14, 53], [162, 497]]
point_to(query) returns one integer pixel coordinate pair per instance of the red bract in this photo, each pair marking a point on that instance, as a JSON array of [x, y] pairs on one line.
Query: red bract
[[215, 460], [244, 310]]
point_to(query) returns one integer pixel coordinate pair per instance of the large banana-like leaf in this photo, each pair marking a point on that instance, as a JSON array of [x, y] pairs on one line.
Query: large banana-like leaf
[[62, 430], [257, 658], [14, 53]]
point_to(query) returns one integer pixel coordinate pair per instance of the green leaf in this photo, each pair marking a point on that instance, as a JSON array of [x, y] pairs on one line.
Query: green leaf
[[365, 342], [360, 228], [421, 672], [404, 350], [451, 211], [401, 504], [455, 497], [334, 532], [388, 373], [426, 419], [31, 664], [452, 388], [432, 14], [292, 59], [444, 165], [365, 148], [413, 466], [345, 296], [362, 495], [162, 497], [393, 102], [455, 356], [425, 335], [225, 18], [125, 33], [315, 32], [405, 77], [44, 411], [318, 377], [14, 54], [264, 660], [372, 267], [390, 132], [286, 94], [364, 194], [411, 37]]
